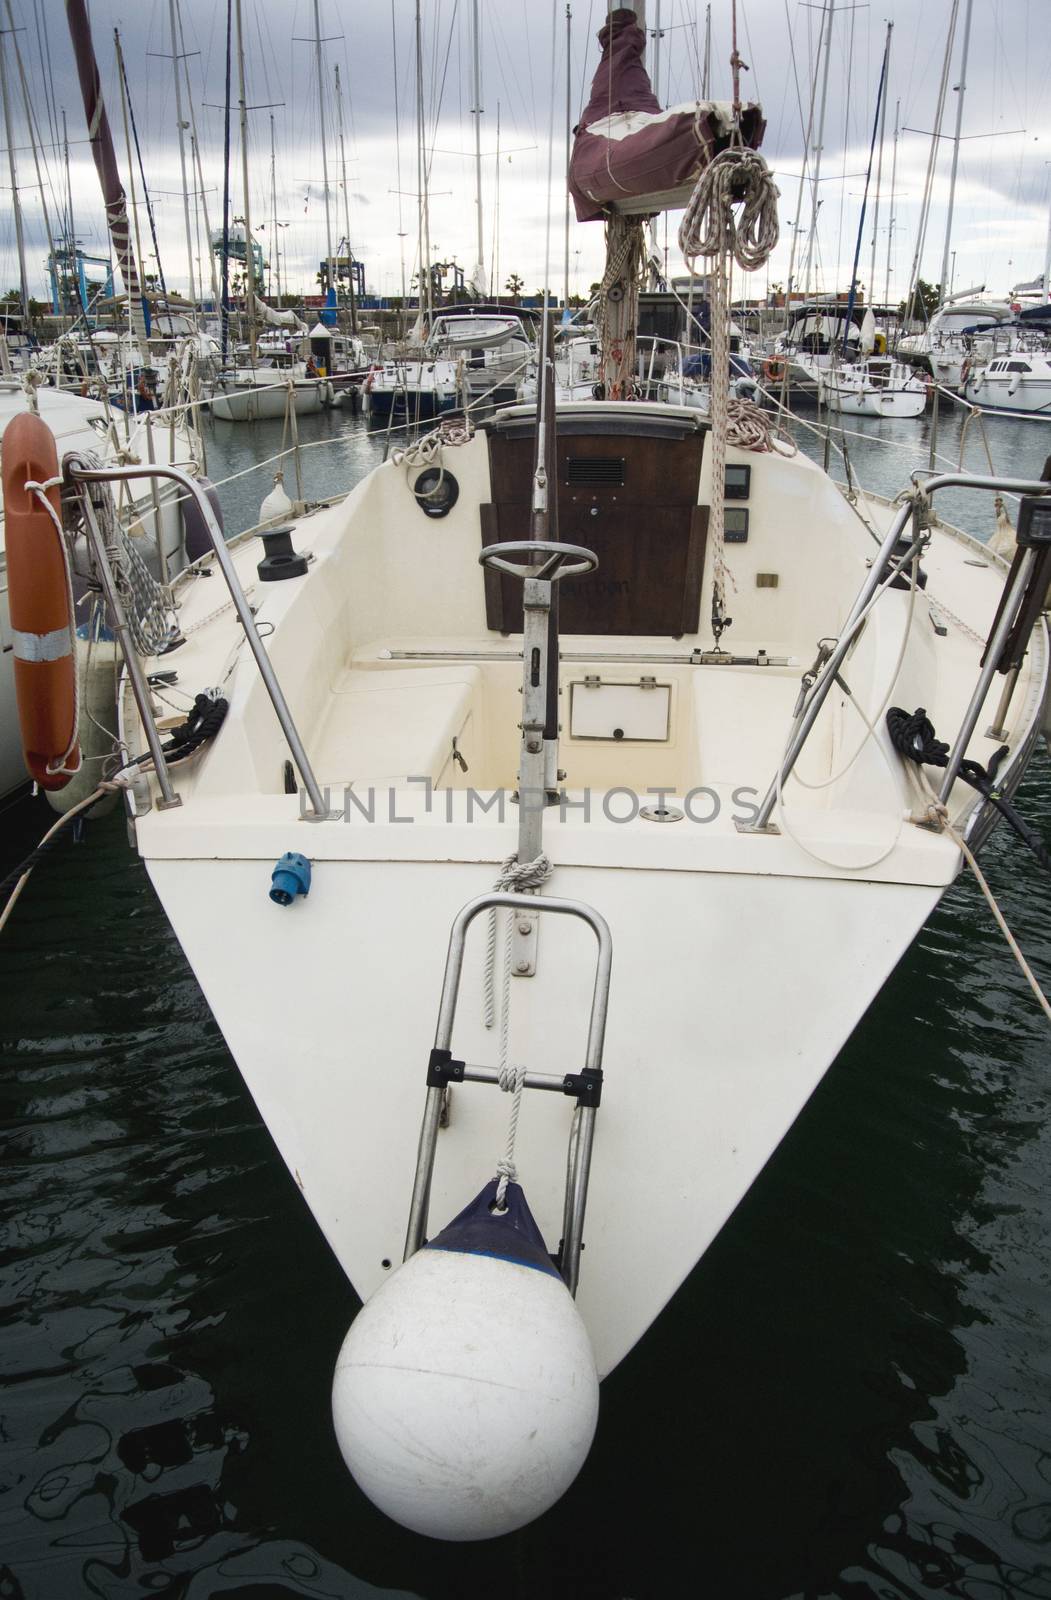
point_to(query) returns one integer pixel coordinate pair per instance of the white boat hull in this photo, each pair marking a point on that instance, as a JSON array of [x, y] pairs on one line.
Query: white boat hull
[[740, 962], [267, 402], [876, 402], [1031, 396], [701, 1081]]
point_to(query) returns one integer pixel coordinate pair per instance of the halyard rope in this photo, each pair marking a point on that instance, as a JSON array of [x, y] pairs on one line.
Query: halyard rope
[[516, 877], [710, 227]]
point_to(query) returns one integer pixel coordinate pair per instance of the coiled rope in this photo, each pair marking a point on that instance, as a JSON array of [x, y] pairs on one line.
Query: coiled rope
[[426, 451], [711, 227], [749, 427], [517, 877]]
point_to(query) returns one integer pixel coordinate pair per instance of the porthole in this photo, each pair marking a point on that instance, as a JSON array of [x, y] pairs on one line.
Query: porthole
[[436, 492]]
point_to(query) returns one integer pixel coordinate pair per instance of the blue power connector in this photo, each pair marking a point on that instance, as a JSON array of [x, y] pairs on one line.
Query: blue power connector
[[290, 877]]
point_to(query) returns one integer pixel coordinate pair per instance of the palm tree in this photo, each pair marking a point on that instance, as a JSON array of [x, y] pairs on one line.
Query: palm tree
[[514, 286]]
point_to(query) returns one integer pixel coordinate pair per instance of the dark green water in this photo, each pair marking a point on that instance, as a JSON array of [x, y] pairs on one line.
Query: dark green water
[[851, 1396]]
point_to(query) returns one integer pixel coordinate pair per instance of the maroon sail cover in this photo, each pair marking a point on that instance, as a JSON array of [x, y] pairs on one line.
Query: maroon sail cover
[[628, 154]]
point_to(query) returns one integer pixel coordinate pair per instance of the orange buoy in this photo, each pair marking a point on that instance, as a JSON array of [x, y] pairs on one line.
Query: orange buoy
[[42, 624], [774, 369]]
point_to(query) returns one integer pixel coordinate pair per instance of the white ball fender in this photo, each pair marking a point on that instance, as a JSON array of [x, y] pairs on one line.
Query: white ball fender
[[465, 1396]]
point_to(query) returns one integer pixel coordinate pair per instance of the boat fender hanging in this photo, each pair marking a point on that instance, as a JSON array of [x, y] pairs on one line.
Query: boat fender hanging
[[290, 877], [465, 1396], [42, 621], [194, 529], [280, 560]]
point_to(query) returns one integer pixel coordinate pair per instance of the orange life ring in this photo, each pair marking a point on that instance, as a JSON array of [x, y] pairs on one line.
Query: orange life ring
[[774, 369], [42, 623]]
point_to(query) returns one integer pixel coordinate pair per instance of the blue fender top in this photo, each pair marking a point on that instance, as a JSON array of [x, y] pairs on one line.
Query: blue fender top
[[510, 1235]]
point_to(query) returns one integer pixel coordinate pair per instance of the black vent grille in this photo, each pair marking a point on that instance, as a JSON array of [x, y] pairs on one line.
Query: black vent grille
[[592, 469]]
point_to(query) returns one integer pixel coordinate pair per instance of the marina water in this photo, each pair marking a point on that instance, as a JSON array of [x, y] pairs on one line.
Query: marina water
[[850, 1397]]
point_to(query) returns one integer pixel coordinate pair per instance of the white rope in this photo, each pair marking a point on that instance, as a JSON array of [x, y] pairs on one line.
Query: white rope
[[426, 451], [938, 814], [709, 226], [870, 724], [107, 786], [516, 877], [749, 427]]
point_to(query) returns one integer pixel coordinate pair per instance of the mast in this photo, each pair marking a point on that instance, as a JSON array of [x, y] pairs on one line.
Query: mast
[[195, 150], [273, 208], [868, 177], [249, 259], [23, 284], [893, 192], [921, 233], [815, 207], [126, 92], [101, 141], [34, 132], [346, 205], [330, 266], [1047, 259], [225, 309], [421, 171], [569, 149], [397, 157], [706, 75], [961, 91], [127, 146], [496, 213], [182, 149], [476, 112], [879, 179], [796, 229]]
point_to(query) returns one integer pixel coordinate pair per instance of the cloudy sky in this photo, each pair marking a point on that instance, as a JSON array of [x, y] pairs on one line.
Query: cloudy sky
[[1002, 204]]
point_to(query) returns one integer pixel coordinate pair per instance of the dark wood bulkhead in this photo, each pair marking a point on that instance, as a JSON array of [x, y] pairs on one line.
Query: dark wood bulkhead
[[627, 489]]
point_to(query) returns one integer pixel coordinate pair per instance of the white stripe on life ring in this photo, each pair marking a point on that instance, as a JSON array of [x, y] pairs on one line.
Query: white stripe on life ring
[[42, 646]]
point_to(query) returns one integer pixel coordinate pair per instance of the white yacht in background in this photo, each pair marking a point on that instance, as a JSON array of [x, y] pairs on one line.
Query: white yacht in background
[[946, 343], [1018, 379], [874, 386], [463, 354], [816, 336]]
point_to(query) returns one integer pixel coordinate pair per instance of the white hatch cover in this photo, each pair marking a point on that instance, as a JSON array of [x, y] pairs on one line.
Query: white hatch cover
[[639, 710]]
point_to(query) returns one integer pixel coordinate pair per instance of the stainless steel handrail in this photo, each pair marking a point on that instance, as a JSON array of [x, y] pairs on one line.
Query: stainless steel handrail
[[82, 474], [875, 575], [584, 1117]]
